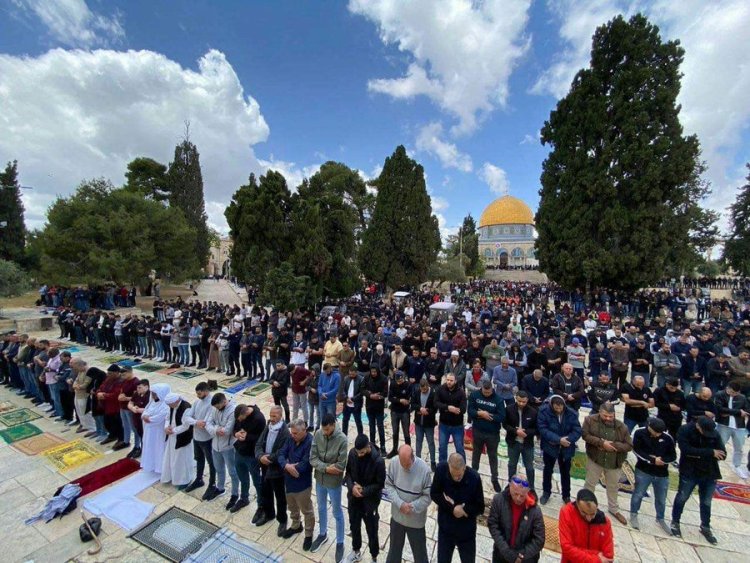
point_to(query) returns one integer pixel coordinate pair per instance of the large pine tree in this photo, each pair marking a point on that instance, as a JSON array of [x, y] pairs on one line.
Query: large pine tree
[[737, 246], [185, 183], [13, 234], [402, 239], [621, 189]]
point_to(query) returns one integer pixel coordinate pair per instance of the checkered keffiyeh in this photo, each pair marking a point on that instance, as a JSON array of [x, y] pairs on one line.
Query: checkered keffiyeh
[[225, 545]]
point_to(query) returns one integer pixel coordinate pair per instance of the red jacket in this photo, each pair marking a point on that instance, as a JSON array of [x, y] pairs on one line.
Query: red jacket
[[582, 541], [111, 389]]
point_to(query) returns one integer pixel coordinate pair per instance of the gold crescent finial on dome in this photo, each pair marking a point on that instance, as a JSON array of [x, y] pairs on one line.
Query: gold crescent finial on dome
[[507, 210]]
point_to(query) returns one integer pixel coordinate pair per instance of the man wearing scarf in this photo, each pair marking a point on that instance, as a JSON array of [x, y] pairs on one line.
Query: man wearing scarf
[[154, 418], [178, 461]]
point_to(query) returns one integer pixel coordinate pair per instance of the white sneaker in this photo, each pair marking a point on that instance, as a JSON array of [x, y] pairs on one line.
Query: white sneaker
[[354, 556], [741, 472]]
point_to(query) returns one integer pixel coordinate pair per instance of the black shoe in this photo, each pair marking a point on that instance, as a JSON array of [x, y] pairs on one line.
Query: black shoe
[[393, 453], [544, 499], [281, 530], [232, 501], [307, 544], [210, 493], [197, 484], [496, 485], [319, 541], [108, 440], [675, 528], [264, 519], [566, 500], [239, 505], [310, 429], [292, 531], [120, 446], [132, 454], [257, 515], [708, 534]]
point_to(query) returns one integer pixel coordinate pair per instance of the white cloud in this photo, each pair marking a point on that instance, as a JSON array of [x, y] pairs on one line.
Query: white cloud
[[74, 115], [291, 172], [463, 52], [716, 39], [495, 177], [429, 140], [216, 219], [530, 139], [72, 22]]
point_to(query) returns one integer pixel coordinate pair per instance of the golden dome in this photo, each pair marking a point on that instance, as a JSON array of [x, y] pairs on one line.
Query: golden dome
[[507, 210]]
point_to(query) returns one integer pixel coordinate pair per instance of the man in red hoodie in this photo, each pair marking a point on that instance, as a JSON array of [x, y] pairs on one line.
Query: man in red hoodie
[[585, 532]]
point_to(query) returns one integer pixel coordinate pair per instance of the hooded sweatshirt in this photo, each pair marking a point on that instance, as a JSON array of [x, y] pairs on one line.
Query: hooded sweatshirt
[[223, 419], [200, 410], [329, 450]]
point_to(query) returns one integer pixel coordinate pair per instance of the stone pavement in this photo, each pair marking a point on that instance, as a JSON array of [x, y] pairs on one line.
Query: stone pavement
[[29, 481], [221, 291]]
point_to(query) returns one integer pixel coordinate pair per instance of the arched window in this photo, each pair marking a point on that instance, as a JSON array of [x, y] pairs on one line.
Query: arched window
[[530, 253], [488, 252], [517, 253]]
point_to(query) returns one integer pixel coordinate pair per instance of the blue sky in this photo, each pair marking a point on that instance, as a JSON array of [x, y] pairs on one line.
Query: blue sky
[[287, 85]]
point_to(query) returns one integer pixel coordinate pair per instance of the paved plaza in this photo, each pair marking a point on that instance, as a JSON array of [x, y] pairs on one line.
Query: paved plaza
[[29, 481]]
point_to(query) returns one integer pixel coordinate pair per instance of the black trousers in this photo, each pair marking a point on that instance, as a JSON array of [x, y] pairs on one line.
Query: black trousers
[[358, 513], [274, 488], [203, 455], [113, 425], [447, 543], [67, 398]]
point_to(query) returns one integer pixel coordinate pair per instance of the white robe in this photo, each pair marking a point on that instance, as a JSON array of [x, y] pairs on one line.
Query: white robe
[[178, 463], [153, 431]]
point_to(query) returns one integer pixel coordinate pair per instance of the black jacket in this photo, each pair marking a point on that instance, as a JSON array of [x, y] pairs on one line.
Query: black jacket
[[445, 398], [529, 536], [254, 426], [377, 385], [274, 470], [282, 378], [511, 424], [398, 392], [369, 472], [646, 448], [662, 399], [343, 393], [183, 438], [424, 420], [696, 407], [697, 459], [468, 492], [599, 394], [739, 402]]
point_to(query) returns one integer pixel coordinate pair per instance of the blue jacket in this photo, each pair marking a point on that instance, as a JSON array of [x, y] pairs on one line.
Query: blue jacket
[[551, 429], [300, 454], [329, 384]]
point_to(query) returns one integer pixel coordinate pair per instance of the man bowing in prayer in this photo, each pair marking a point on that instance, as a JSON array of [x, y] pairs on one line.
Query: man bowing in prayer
[[154, 419], [178, 460]]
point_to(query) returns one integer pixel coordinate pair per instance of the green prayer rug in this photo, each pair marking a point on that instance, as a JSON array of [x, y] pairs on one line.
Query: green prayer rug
[[578, 466], [148, 368], [257, 389], [112, 359], [19, 416], [185, 374], [19, 432]]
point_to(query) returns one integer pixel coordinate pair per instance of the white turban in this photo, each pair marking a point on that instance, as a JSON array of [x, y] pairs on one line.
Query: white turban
[[172, 398]]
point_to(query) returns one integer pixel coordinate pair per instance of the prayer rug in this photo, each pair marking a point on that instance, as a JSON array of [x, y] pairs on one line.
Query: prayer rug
[[732, 492], [578, 466], [37, 444], [18, 416], [674, 481], [106, 475], [185, 374], [175, 534], [257, 389], [148, 368], [129, 363], [627, 479], [226, 545], [71, 455], [112, 359], [551, 534], [73, 349], [119, 503], [168, 371], [242, 386], [7, 406], [19, 432]]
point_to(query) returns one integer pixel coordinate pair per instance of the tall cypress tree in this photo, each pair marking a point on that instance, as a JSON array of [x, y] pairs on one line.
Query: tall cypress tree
[[737, 246], [186, 193], [621, 189], [13, 234], [402, 240]]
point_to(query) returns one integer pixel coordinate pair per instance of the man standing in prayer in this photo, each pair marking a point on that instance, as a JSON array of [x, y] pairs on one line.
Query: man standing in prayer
[[220, 425], [154, 420], [178, 461], [267, 449], [197, 415]]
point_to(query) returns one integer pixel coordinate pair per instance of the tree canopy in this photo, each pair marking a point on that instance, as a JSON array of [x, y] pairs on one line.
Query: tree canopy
[[13, 233], [101, 234], [402, 239], [737, 246], [466, 242], [13, 280], [148, 178], [621, 188]]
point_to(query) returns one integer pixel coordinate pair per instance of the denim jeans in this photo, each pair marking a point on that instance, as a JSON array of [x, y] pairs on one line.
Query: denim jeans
[[691, 385], [323, 494], [224, 461], [327, 408], [248, 468], [299, 406], [427, 433], [706, 487], [738, 436], [348, 412], [159, 347], [458, 439], [526, 453], [312, 408], [184, 354], [127, 427], [54, 390], [631, 424], [99, 422], [642, 482]]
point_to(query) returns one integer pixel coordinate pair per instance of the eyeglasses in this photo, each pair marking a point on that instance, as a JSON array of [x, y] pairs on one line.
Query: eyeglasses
[[519, 481]]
